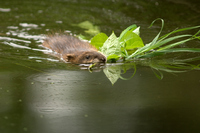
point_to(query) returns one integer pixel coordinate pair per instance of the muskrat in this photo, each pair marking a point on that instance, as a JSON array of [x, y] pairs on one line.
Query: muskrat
[[73, 50]]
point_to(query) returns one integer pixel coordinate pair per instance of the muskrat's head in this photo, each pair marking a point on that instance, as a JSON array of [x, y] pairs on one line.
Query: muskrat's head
[[85, 57]]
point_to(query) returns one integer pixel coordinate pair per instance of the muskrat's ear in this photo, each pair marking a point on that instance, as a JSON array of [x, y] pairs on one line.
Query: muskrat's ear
[[69, 57]]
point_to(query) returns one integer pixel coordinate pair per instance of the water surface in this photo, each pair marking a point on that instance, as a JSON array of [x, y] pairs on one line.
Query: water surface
[[40, 93]]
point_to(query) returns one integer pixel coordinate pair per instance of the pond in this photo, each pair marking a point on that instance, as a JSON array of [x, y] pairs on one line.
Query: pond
[[41, 94]]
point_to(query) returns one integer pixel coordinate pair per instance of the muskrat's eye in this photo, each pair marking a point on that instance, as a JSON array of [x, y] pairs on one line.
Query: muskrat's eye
[[87, 57]]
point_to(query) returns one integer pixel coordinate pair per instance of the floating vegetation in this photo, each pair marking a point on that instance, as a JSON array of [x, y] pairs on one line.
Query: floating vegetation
[[129, 48]]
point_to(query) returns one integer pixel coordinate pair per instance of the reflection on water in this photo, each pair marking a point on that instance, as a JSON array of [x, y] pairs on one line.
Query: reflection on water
[[57, 102], [58, 97]]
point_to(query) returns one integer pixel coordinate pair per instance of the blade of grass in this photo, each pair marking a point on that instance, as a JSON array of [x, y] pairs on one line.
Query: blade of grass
[[180, 50], [158, 53], [148, 47], [157, 42], [175, 31], [179, 30], [180, 42], [160, 43], [175, 44], [156, 38]]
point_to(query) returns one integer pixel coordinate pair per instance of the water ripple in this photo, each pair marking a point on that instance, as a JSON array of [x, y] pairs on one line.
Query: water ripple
[[5, 9], [13, 39]]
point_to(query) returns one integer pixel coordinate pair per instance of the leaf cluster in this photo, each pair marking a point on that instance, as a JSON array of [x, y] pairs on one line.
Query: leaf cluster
[[114, 47], [129, 45]]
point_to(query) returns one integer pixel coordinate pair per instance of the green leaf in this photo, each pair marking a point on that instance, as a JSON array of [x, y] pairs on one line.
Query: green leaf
[[137, 31], [130, 28], [91, 66], [111, 46], [113, 56], [131, 40], [99, 40]]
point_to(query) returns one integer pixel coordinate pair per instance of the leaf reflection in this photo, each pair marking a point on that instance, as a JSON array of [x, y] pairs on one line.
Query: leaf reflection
[[115, 71]]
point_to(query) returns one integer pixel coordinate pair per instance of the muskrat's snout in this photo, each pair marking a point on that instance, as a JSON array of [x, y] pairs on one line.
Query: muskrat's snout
[[101, 58], [96, 60]]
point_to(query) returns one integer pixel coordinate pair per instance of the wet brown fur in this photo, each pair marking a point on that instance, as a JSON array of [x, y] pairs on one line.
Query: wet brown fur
[[74, 50]]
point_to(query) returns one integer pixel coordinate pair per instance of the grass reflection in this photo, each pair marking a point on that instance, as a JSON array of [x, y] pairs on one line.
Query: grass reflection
[[115, 71]]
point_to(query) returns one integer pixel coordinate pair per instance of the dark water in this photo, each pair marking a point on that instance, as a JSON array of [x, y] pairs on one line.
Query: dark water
[[40, 94]]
